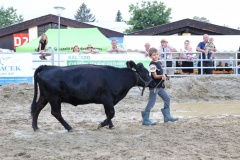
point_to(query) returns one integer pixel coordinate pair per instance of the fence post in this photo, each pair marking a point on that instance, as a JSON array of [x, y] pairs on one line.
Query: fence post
[[236, 63], [201, 64]]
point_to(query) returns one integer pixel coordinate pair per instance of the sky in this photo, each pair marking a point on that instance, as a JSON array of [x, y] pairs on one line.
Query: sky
[[216, 11]]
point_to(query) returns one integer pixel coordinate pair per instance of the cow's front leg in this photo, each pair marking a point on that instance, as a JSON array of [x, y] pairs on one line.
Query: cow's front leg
[[56, 112], [110, 112], [103, 124], [111, 126]]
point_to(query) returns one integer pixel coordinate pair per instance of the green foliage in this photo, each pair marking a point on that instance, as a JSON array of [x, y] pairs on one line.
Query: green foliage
[[148, 14], [201, 19], [83, 14], [9, 17], [119, 17]]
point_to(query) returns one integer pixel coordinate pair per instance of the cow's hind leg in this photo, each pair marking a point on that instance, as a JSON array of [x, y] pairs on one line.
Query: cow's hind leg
[[41, 103], [110, 112], [56, 112]]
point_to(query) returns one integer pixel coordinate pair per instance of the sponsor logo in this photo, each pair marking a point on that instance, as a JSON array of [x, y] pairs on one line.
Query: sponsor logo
[[3, 60]]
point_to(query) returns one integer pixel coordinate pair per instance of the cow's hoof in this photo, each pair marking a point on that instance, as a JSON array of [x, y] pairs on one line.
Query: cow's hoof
[[101, 125], [36, 129], [71, 130], [111, 127]]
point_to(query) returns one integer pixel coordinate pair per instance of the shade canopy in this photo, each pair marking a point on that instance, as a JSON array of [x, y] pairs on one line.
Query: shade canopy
[[69, 38]]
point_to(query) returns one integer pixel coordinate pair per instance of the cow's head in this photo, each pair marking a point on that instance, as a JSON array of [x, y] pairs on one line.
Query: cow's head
[[143, 77]]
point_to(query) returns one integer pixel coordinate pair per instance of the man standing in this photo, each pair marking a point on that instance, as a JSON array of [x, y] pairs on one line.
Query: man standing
[[205, 55], [166, 48]]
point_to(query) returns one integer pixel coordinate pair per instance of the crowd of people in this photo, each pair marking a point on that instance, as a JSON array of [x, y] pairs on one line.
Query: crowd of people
[[89, 49], [186, 54], [207, 48]]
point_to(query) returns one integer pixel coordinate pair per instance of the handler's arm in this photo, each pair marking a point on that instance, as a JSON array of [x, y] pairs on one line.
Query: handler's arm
[[154, 74]]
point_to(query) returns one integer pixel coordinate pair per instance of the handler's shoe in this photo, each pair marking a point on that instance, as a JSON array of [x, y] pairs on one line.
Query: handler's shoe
[[167, 116], [41, 57], [146, 121]]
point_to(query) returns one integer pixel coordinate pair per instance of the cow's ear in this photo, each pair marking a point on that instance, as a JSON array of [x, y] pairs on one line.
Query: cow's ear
[[131, 65], [140, 65]]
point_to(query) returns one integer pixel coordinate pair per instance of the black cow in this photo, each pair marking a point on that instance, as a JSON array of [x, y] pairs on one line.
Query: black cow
[[83, 84]]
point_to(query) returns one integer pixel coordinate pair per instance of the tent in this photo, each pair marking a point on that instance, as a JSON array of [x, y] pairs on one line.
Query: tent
[[68, 38]]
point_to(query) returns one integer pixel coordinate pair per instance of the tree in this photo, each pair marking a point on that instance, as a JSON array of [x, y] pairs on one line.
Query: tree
[[83, 14], [119, 17], [9, 17], [149, 14], [201, 19]]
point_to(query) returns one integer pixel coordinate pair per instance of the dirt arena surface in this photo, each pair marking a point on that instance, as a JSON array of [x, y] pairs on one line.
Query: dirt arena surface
[[209, 125]]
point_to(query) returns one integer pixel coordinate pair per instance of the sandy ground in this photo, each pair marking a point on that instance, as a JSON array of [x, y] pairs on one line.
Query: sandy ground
[[209, 125]]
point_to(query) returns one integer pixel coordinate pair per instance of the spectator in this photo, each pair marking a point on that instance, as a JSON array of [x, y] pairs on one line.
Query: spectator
[[115, 49], [90, 50], [205, 55], [145, 51], [42, 47], [209, 46], [227, 69], [219, 65], [165, 48], [187, 55], [76, 48]]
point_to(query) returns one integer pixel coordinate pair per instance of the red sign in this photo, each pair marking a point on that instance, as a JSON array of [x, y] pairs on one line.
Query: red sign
[[20, 39]]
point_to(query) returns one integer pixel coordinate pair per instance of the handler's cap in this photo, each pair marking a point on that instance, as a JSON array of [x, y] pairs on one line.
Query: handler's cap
[[164, 40]]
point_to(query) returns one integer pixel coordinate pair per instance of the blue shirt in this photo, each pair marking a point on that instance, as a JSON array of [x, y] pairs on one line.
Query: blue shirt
[[201, 45]]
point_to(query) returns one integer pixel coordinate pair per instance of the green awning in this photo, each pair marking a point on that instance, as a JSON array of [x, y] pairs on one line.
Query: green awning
[[68, 38]]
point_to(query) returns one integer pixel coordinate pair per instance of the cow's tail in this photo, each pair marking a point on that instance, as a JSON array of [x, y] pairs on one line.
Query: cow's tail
[[34, 102]]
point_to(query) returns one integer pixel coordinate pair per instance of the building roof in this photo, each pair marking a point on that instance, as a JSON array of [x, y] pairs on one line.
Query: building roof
[[54, 19], [188, 26], [115, 26]]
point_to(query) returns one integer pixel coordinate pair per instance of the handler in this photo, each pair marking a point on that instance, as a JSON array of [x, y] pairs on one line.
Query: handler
[[157, 87]]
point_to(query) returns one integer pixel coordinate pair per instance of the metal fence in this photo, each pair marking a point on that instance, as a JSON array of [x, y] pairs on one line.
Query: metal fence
[[58, 60], [228, 57]]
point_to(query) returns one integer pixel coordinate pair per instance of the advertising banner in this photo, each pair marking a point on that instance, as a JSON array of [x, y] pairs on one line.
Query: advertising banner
[[20, 39], [16, 68], [116, 60]]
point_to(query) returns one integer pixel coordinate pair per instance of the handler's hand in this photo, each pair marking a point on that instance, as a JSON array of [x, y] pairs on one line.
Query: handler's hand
[[164, 77]]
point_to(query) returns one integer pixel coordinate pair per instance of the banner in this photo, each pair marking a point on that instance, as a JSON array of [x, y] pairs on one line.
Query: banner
[[20, 39], [15, 68], [116, 60]]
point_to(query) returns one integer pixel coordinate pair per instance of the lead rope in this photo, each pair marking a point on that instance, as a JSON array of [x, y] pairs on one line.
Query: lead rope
[[154, 90], [145, 83]]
